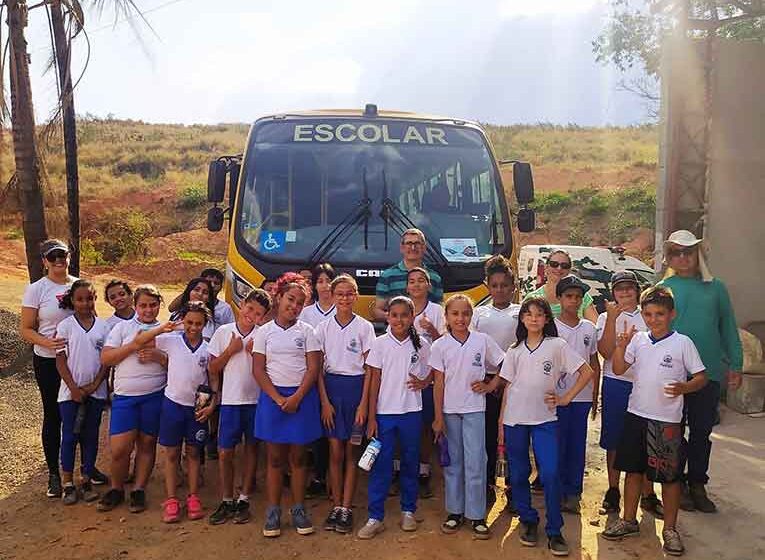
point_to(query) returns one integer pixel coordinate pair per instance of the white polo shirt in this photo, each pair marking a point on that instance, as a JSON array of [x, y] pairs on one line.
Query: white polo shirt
[[45, 296], [396, 360], [239, 385], [655, 363], [131, 377], [115, 320], [344, 346], [532, 374], [583, 339], [499, 324], [186, 367], [633, 319], [223, 314], [462, 364], [285, 351], [83, 354], [435, 314], [313, 314]]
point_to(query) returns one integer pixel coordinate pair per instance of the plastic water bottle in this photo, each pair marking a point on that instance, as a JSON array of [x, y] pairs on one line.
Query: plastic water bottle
[[500, 471], [79, 419], [443, 452], [357, 434], [370, 454]]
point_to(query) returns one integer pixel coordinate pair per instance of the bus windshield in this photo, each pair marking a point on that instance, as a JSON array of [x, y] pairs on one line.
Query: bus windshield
[[343, 190]]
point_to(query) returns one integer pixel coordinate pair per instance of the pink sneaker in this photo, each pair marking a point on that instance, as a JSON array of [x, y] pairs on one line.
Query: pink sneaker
[[172, 510], [194, 507]]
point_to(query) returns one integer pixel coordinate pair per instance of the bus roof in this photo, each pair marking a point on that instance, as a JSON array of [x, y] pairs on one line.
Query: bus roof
[[360, 113]]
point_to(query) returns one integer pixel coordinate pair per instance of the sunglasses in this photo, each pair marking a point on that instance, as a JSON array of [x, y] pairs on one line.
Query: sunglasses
[[563, 265], [56, 255], [684, 252]]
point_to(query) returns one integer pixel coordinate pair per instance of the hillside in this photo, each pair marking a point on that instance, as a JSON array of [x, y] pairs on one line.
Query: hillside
[[143, 189]]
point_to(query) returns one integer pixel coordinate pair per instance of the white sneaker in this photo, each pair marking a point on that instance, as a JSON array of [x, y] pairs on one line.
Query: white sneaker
[[372, 528], [408, 522]]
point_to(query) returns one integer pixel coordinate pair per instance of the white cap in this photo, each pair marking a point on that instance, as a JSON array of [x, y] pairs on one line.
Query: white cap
[[684, 238]]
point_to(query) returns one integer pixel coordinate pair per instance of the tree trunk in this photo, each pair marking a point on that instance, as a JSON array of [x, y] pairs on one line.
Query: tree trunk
[[63, 63], [25, 152]]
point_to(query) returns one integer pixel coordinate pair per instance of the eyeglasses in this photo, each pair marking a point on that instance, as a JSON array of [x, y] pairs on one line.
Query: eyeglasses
[[563, 265], [412, 244], [56, 254], [344, 295], [683, 252]]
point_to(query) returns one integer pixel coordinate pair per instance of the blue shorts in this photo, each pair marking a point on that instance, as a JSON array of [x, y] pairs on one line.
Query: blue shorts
[[428, 407], [140, 412], [615, 397], [273, 425], [344, 392], [236, 421], [178, 424]]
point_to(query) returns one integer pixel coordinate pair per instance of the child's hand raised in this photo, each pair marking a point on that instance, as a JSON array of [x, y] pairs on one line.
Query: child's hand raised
[[170, 326], [235, 344], [248, 346], [623, 338]]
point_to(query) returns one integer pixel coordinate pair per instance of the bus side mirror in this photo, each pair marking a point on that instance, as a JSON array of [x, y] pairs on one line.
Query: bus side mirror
[[526, 220], [523, 183], [216, 181], [215, 217], [233, 183]]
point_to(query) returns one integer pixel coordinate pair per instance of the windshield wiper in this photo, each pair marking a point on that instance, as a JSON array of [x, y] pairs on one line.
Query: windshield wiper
[[394, 216], [346, 226]]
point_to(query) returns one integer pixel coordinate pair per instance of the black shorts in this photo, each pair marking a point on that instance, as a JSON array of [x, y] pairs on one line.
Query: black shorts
[[652, 447]]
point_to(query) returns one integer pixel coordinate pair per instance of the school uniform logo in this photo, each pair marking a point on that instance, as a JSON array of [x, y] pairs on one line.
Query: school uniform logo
[[547, 367], [202, 362], [587, 340], [666, 361], [201, 436], [414, 358], [353, 346], [100, 344], [300, 342], [477, 361], [562, 380]]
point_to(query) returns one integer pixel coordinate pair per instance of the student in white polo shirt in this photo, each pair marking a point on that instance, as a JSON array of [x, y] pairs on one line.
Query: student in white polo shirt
[[231, 358], [572, 418], [119, 295], [286, 362], [398, 367], [498, 319], [184, 417], [665, 365], [345, 340], [323, 306], [532, 368], [459, 360], [623, 312]]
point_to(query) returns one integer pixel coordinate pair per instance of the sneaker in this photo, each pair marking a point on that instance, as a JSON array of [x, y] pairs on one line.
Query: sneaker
[[372, 528], [137, 501], [536, 486], [241, 512], [54, 486], [171, 510], [194, 507], [686, 501], [572, 504], [452, 524], [300, 520], [621, 528], [87, 491], [529, 534], [316, 489], [408, 522], [395, 486], [652, 504], [426, 490], [557, 545], [273, 525], [480, 529], [330, 524], [611, 501], [344, 523], [222, 513], [673, 545], [98, 478], [111, 500], [70, 495], [700, 499]]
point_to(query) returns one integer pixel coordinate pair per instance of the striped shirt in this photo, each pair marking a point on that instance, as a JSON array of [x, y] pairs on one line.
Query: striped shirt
[[392, 283]]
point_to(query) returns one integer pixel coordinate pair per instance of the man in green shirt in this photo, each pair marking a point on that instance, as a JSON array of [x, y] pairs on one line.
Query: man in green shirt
[[705, 314]]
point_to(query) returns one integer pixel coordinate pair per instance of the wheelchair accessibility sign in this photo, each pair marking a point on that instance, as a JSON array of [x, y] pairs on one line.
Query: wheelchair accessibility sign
[[272, 241]]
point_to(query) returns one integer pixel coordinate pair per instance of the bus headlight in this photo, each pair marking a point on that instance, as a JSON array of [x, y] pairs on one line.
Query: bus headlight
[[239, 287]]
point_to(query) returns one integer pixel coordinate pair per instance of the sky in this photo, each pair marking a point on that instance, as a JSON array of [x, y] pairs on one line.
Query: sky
[[495, 61]]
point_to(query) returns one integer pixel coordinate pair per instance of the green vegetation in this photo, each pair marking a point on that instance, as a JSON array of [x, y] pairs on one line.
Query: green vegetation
[[121, 234], [192, 197]]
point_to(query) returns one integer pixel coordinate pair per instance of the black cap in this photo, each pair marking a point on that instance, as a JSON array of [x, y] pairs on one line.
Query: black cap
[[624, 276], [570, 281]]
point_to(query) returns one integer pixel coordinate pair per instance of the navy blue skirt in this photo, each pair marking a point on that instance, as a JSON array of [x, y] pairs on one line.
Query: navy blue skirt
[[344, 392], [273, 425], [428, 406]]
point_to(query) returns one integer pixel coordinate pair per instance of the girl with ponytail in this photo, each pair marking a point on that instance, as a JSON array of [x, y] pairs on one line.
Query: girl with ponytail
[[397, 363]]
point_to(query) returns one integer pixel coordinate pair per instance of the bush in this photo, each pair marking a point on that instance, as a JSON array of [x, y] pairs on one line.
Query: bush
[[122, 234], [193, 197], [14, 233], [89, 254], [596, 205], [551, 202], [145, 166]]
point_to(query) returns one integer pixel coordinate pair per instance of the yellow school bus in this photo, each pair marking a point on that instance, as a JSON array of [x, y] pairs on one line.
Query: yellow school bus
[[340, 186]]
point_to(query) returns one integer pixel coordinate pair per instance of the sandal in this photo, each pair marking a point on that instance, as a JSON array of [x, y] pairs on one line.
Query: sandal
[[452, 524], [480, 529]]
